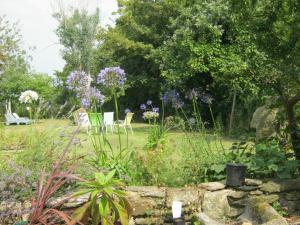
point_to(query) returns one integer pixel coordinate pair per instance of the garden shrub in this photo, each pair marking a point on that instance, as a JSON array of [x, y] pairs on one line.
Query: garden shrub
[[264, 159], [159, 167], [268, 159]]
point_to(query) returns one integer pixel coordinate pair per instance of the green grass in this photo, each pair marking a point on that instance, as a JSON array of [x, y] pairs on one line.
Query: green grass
[[13, 138], [36, 143]]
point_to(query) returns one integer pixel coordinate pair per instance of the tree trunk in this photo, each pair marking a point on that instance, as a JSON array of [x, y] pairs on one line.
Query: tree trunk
[[293, 129], [232, 112]]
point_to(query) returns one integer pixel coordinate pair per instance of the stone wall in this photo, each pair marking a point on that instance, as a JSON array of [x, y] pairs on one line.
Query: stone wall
[[152, 205], [211, 202]]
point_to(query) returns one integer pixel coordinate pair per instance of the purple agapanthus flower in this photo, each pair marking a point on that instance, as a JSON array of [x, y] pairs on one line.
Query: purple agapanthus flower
[[90, 96], [78, 81], [143, 107], [178, 103], [112, 77], [170, 96], [155, 109], [127, 111], [206, 98], [85, 102], [173, 98], [149, 102], [193, 94]]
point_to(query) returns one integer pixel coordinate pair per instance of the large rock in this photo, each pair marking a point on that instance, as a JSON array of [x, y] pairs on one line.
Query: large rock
[[281, 186], [188, 196], [265, 122], [146, 201], [206, 220], [259, 212], [212, 186], [253, 182], [216, 205]]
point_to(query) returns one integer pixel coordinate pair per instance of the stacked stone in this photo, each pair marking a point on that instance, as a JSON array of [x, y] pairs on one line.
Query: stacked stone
[[212, 203]]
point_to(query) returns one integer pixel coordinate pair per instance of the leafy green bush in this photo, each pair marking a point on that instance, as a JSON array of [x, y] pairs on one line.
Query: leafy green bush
[[268, 159], [156, 136], [265, 159], [107, 202]]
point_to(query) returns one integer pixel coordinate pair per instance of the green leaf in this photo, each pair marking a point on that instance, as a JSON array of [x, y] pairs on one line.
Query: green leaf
[[82, 213], [104, 207], [120, 193], [81, 192], [110, 175], [218, 168], [108, 190], [127, 206], [100, 178], [122, 214]]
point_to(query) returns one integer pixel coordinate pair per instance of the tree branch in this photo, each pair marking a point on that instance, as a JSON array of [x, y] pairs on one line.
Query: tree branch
[[293, 101]]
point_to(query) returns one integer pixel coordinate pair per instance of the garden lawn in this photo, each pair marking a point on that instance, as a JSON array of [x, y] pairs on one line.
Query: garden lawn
[[37, 146], [13, 137]]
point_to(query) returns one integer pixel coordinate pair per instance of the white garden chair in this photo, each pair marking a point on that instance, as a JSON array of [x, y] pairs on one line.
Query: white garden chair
[[20, 118], [126, 122], [108, 121], [83, 121], [76, 115], [11, 119]]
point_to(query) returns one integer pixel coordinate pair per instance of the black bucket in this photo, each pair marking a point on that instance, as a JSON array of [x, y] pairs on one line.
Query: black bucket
[[235, 174]]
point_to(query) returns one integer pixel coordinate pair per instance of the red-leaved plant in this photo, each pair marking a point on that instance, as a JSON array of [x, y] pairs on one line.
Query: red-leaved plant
[[48, 186]]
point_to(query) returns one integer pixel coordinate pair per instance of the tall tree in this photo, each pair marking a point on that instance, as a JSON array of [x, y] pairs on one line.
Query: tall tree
[[77, 33], [13, 60], [142, 26], [201, 52], [269, 31], [12, 54]]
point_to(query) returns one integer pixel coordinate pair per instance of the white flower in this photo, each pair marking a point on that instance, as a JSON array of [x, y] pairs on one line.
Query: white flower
[[28, 96], [148, 115]]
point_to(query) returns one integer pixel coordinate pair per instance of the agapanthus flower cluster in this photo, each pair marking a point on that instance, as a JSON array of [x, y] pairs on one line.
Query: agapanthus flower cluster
[[90, 96], [28, 96], [193, 94], [112, 77], [149, 107], [151, 112], [206, 98], [78, 81], [173, 98], [143, 107], [149, 115]]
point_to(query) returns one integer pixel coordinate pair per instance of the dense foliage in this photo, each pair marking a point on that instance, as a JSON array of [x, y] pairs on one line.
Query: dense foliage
[[194, 70], [213, 46]]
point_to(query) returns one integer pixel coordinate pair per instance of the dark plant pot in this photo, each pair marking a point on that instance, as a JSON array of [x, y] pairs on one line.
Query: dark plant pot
[[178, 221], [235, 174]]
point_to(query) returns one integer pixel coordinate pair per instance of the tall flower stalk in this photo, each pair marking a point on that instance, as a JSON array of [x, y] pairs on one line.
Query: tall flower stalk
[[118, 125], [157, 131], [114, 79], [91, 99], [28, 97]]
